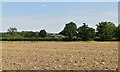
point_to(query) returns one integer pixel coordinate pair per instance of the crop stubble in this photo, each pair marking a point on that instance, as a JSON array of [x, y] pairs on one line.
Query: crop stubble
[[59, 55]]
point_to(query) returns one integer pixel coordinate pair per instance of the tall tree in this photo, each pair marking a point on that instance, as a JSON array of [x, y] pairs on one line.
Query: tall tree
[[12, 31], [106, 30], [69, 30], [85, 32], [42, 33]]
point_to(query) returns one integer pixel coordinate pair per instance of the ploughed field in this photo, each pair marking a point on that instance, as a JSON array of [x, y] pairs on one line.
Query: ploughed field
[[24, 55]]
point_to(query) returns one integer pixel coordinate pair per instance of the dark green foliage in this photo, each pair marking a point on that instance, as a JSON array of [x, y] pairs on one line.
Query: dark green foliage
[[28, 34], [106, 30], [70, 30], [0, 34], [117, 32], [31, 39], [43, 33], [85, 32]]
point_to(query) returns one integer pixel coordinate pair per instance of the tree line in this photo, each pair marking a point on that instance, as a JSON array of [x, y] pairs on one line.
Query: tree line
[[105, 31]]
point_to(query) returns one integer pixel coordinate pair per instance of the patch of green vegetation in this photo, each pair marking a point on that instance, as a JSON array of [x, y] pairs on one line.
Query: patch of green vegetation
[[105, 31]]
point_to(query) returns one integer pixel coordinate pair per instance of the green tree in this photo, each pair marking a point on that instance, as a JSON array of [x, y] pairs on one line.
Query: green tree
[[69, 30], [106, 30], [42, 33], [85, 32], [28, 34], [12, 31], [117, 32]]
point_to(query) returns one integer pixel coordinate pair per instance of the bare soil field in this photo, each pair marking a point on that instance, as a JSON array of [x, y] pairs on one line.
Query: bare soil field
[[23, 55]]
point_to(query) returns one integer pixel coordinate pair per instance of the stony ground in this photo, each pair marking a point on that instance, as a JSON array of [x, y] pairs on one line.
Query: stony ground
[[59, 55]]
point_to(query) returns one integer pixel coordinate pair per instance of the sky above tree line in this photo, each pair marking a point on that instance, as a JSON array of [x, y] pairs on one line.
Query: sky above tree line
[[52, 16]]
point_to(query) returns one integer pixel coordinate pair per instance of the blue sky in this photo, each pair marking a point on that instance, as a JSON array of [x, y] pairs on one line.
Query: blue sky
[[59, 0], [53, 16]]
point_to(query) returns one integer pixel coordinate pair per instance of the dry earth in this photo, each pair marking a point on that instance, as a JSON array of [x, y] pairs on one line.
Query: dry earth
[[59, 55]]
